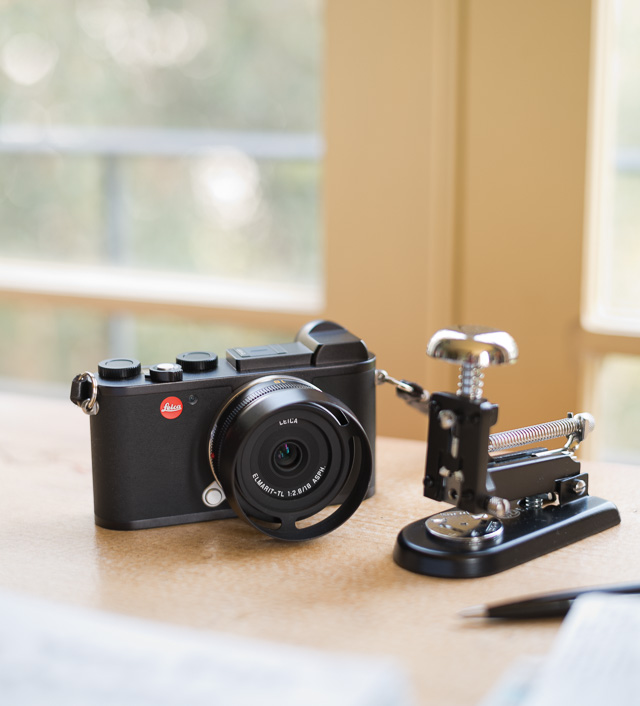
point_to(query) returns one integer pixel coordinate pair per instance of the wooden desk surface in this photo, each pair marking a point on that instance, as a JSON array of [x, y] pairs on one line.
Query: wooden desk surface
[[342, 592]]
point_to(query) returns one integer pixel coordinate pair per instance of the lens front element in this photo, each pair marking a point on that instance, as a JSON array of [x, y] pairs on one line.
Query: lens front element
[[283, 451], [287, 457]]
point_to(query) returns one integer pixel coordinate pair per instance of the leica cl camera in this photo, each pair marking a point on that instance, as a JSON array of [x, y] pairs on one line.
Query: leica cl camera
[[279, 435]]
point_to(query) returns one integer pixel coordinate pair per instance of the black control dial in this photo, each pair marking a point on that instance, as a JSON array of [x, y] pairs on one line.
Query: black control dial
[[119, 368], [197, 361]]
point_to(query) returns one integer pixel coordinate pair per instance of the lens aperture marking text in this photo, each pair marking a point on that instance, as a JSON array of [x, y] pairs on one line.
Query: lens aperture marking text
[[267, 488], [291, 492]]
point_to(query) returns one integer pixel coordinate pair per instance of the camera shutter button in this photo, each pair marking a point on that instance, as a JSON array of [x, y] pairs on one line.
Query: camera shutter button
[[165, 372]]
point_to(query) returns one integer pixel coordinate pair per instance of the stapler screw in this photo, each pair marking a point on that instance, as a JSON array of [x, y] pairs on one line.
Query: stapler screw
[[473, 348], [534, 502], [447, 419], [579, 487], [498, 507]]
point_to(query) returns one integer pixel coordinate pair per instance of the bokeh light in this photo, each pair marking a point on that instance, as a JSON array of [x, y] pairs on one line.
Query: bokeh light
[[227, 186], [27, 58]]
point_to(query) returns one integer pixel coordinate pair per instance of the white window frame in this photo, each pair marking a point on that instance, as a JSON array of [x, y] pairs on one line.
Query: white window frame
[[117, 283]]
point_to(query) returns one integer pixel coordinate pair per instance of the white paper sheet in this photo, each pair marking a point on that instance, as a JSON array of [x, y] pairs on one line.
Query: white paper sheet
[[595, 660], [59, 655]]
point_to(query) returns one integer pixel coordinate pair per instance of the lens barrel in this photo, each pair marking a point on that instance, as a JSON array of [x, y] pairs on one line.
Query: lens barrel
[[283, 451]]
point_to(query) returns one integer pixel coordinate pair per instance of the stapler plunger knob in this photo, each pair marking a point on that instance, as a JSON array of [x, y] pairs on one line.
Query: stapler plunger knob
[[473, 348]]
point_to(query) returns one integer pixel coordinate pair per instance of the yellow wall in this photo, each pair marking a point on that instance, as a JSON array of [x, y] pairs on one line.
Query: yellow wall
[[455, 180], [521, 184], [386, 185]]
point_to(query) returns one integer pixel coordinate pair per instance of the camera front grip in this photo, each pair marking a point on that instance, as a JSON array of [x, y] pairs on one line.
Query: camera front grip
[[358, 487]]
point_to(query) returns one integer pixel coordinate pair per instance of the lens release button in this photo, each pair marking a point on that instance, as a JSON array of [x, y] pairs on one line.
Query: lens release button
[[213, 495]]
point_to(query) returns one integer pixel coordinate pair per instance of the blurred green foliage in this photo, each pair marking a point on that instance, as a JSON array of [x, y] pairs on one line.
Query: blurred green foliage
[[45, 346], [167, 65], [618, 421], [206, 64]]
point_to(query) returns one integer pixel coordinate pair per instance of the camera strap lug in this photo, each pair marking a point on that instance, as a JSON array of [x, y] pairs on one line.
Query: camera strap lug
[[84, 393], [412, 393]]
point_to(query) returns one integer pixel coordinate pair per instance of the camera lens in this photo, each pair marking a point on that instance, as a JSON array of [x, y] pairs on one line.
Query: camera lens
[[287, 457], [283, 451]]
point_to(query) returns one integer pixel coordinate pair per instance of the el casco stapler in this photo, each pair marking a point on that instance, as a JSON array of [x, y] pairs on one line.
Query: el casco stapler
[[509, 507]]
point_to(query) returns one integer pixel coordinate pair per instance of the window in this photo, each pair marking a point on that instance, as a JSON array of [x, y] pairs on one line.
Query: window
[[613, 303], [611, 308], [165, 154]]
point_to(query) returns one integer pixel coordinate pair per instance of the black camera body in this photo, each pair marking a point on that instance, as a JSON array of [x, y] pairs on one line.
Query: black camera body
[[277, 432]]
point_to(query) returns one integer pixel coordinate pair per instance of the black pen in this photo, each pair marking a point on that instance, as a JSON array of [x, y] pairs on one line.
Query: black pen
[[549, 605]]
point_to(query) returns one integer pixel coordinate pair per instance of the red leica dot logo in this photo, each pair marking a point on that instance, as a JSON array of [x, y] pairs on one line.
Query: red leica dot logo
[[170, 407]]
